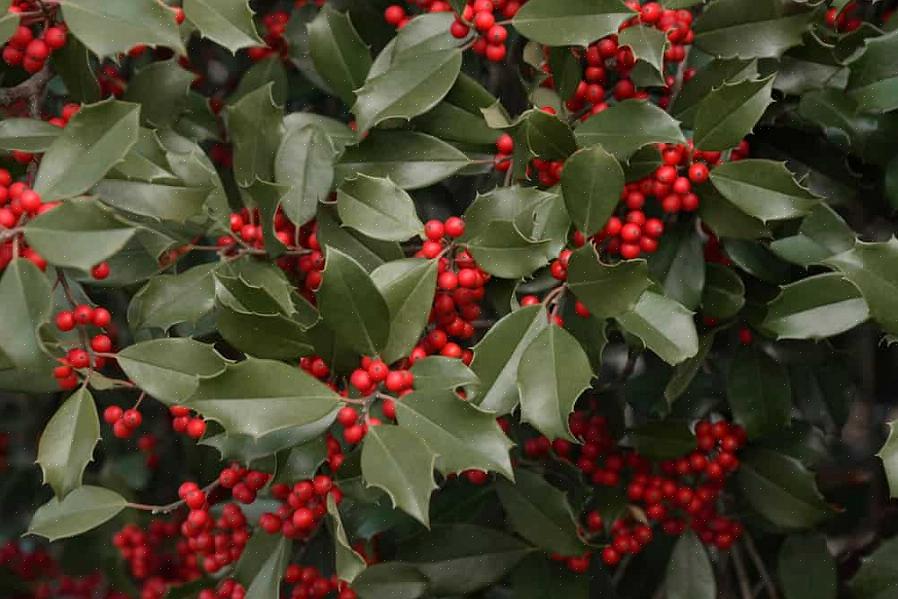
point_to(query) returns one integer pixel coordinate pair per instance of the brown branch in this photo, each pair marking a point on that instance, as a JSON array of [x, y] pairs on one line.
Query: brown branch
[[31, 87]]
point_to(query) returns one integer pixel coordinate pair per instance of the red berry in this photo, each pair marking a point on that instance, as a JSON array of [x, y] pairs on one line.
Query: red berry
[[65, 321], [196, 428], [505, 144], [455, 227], [82, 314], [433, 230], [347, 416], [132, 418], [55, 38], [112, 414], [698, 173], [101, 317], [394, 14], [100, 271], [360, 380], [37, 50]]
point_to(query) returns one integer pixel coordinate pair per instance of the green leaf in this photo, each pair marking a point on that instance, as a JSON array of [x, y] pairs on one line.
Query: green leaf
[[730, 112], [540, 513], [689, 572], [815, 308], [390, 580], [378, 208], [77, 234], [442, 373], [9, 22], [408, 287], [607, 290], [757, 260], [552, 373], [567, 71], [647, 45], [96, 138], [256, 397], [262, 565], [73, 64], [159, 202], [822, 234], [305, 163], [228, 23], [665, 326], [449, 122], [781, 489], [707, 78], [109, 28], [592, 181], [758, 392], [763, 29], [874, 75], [170, 369], [413, 84], [503, 250], [459, 559], [724, 293], [368, 252], [800, 555], [167, 300], [889, 456], [462, 436], [876, 577], [628, 126], [306, 445], [497, 357], [27, 135], [763, 189], [83, 509], [538, 577], [679, 265], [685, 371], [349, 564], [727, 220], [662, 440], [254, 123], [411, 160], [68, 441], [302, 462], [400, 463], [339, 134], [544, 135], [352, 306], [161, 90], [340, 56], [271, 336], [872, 268], [570, 23]]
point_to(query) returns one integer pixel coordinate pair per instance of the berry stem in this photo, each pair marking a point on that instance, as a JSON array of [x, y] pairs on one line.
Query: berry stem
[[168, 508]]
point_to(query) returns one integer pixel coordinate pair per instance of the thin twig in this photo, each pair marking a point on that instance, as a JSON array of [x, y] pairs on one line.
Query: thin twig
[[741, 573], [167, 509], [752, 551]]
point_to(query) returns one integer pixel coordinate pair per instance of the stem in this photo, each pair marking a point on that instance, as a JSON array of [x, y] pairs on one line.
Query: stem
[[167, 509], [741, 574], [32, 86], [752, 551]]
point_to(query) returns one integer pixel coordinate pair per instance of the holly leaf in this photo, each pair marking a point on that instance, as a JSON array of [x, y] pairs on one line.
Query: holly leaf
[[873, 81], [628, 126], [877, 574], [83, 509], [411, 160], [817, 307], [706, 79], [228, 23], [77, 234], [167, 300], [759, 392], [664, 325], [662, 440], [685, 371], [462, 436], [540, 513], [503, 250], [369, 253], [647, 45], [305, 163], [763, 189], [724, 293], [158, 202], [390, 580], [592, 181], [889, 456], [408, 287], [68, 441], [109, 28], [552, 373], [765, 29], [349, 564], [679, 266], [497, 357], [689, 571], [822, 234], [412, 84], [607, 290], [170, 369], [161, 90], [570, 23], [73, 64], [441, 373], [725, 219], [378, 208], [257, 397], [27, 135], [449, 122], [781, 489], [400, 463], [341, 57], [262, 564], [730, 112], [94, 140], [254, 123], [871, 267], [800, 554], [352, 306]]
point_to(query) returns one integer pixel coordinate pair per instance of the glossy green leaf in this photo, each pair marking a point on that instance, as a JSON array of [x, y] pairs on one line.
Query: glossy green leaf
[[888, 453], [873, 82], [872, 268], [804, 554], [27, 135], [228, 23], [95, 139], [503, 250], [540, 513], [339, 134], [647, 45], [607, 290], [757, 260], [254, 123], [544, 135], [665, 326], [725, 219], [267, 198], [170, 369], [378, 208], [686, 371], [83, 509], [764, 29], [689, 572], [159, 202], [628, 126], [449, 122], [73, 64], [570, 23], [262, 564], [730, 112], [349, 564], [400, 463], [68, 441], [592, 181], [679, 265], [552, 373], [662, 440], [167, 300], [390, 580], [368, 252], [442, 373], [724, 293], [707, 78], [497, 357], [408, 287], [876, 577], [815, 308], [822, 234], [462, 436], [340, 56], [161, 90], [108, 28], [763, 189], [758, 392]]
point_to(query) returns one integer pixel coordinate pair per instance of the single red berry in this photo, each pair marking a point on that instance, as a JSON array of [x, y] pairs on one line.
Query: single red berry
[[196, 428], [394, 14], [100, 271], [303, 518], [455, 227], [101, 317], [82, 314], [101, 343], [745, 336], [433, 230], [37, 50], [505, 144], [65, 321], [698, 173], [56, 38], [112, 414], [347, 416], [132, 418]]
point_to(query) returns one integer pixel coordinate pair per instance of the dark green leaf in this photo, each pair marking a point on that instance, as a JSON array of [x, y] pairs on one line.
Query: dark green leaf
[[724, 293], [161, 90], [679, 266], [685, 371], [453, 123], [801, 555], [108, 28], [625, 127], [759, 392], [225, 22], [349, 564], [872, 268], [390, 580], [73, 65], [877, 574], [368, 252], [592, 181], [254, 123], [874, 75], [262, 565], [340, 56], [758, 261], [707, 78], [689, 572], [730, 112], [647, 45], [763, 189], [159, 202], [607, 290], [570, 23], [727, 220], [267, 197], [503, 250], [408, 287], [378, 208], [68, 441], [440, 373], [665, 326], [815, 308], [83, 509], [763, 29], [822, 234], [27, 135], [538, 577], [170, 369], [662, 440], [167, 300]]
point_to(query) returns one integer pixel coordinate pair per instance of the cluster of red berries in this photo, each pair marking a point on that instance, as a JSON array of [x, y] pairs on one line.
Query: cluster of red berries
[[124, 423], [275, 24], [309, 583], [303, 507], [504, 149], [226, 589], [30, 50], [482, 16], [243, 483], [77, 358], [182, 422], [216, 542], [68, 111], [18, 202], [147, 445], [112, 81], [845, 20]]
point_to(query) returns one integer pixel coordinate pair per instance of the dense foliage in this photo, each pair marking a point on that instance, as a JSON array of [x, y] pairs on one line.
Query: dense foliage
[[496, 298]]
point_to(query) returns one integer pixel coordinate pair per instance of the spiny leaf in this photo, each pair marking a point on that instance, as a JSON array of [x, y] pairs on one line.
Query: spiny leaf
[[68, 441]]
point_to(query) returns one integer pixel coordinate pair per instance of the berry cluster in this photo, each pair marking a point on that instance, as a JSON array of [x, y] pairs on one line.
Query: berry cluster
[[275, 24], [303, 507], [124, 423], [18, 203], [243, 483], [81, 317], [182, 422], [216, 542], [147, 445], [310, 583], [68, 111], [227, 589], [845, 20], [31, 50]]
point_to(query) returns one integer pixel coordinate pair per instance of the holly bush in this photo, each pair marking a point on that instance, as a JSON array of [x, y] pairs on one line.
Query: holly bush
[[485, 298]]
